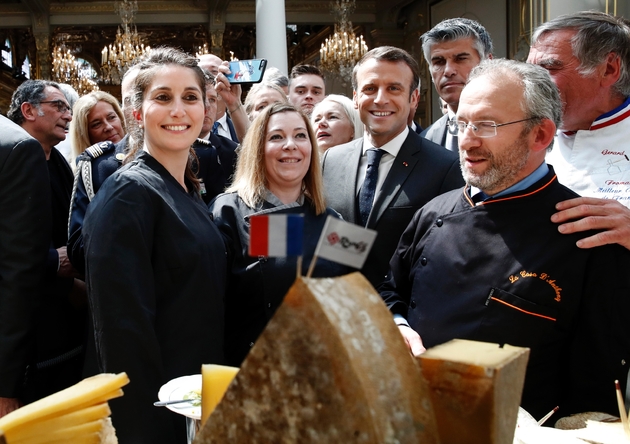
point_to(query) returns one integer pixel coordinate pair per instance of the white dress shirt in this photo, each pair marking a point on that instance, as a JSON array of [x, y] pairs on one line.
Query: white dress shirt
[[223, 129], [391, 149]]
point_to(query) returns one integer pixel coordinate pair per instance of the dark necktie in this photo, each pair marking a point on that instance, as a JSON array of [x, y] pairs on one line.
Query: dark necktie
[[215, 128], [368, 189]]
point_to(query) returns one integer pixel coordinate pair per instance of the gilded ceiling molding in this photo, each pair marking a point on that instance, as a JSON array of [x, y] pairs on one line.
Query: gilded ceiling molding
[[13, 9], [322, 5], [80, 8], [146, 7], [175, 6]]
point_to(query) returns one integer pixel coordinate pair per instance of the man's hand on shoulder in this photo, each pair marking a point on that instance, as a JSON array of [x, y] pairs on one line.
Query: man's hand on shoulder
[[588, 213], [7, 405], [412, 339]]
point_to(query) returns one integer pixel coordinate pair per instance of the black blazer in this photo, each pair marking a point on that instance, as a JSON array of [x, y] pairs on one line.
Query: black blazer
[[421, 171], [25, 227], [436, 133]]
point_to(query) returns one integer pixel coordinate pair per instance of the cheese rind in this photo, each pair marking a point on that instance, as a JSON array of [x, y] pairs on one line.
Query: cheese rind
[[331, 366]]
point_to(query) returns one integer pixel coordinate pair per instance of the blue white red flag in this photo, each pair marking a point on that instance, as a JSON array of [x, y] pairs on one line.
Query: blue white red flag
[[345, 243], [276, 235]]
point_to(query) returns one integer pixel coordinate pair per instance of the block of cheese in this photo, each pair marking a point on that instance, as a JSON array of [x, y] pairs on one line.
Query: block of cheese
[[69, 420], [78, 412], [215, 380], [88, 429], [331, 366], [475, 390]]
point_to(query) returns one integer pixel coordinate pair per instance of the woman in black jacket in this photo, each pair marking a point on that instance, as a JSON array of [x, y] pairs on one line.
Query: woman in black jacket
[[278, 172], [155, 262]]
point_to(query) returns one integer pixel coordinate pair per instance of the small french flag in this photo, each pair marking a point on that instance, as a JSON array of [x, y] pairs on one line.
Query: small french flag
[[276, 235]]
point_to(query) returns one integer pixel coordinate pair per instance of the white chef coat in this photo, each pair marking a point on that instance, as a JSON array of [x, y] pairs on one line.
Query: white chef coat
[[596, 162]]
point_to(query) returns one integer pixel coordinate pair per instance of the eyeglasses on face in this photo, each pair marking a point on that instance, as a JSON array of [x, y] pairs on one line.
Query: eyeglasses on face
[[481, 128], [61, 106]]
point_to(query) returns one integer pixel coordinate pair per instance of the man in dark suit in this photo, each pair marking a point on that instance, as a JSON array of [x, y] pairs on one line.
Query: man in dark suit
[[41, 109], [231, 120], [452, 49], [24, 239], [216, 154], [411, 171]]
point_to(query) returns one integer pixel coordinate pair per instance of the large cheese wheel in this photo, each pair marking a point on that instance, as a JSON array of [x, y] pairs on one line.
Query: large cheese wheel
[[331, 366]]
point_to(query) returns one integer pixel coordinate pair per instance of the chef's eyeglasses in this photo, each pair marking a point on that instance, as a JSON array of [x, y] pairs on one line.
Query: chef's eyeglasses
[[61, 106], [481, 128]]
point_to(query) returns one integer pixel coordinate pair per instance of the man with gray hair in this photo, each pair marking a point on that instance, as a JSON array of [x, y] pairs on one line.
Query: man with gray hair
[[486, 264], [452, 48], [588, 57], [25, 223], [65, 146], [41, 109]]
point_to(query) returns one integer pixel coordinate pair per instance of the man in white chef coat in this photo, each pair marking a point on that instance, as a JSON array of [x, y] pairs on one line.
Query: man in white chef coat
[[588, 56]]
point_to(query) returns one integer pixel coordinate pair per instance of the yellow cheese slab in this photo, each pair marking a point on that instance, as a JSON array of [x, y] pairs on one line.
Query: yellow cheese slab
[[215, 380], [48, 426], [330, 367], [67, 434], [91, 438], [83, 394], [475, 390]]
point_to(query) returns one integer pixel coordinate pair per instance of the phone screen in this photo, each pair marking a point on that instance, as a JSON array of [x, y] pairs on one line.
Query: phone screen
[[247, 71]]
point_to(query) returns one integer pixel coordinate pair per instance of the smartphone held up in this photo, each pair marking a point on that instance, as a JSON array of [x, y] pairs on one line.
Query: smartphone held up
[[247, 71]]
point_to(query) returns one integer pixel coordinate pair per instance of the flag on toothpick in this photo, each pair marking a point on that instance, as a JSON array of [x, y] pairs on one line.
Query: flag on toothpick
[[276, 235], [343, 242]]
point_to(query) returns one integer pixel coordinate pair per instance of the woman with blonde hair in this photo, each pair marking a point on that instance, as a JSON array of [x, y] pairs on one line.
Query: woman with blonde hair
[[278, 172], [336, 121], [96, 117], [261, 96]]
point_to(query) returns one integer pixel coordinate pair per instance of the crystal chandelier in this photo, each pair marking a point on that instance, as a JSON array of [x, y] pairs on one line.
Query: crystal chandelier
[[340, 52], [126, 49], [66, 69], [202, 50]]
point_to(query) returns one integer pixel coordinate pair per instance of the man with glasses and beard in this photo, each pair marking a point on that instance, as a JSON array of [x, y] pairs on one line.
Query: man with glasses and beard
[[486, 263], [41, 109]]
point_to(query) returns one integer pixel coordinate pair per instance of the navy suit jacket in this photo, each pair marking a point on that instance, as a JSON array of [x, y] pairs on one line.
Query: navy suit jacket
[[217, 162], [230, 125], [421, 171]]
